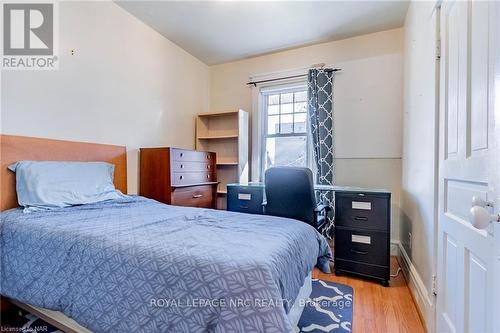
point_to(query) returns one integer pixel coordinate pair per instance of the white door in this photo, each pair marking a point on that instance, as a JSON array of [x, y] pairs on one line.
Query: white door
[[468, 258]]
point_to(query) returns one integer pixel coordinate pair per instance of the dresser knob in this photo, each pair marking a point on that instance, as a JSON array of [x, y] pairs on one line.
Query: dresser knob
[[181, 177], [196, 196], [208, 166], [182, 166], [208, 156], [208, 176]]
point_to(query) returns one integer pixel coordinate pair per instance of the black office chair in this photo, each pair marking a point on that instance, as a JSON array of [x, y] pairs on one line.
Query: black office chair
[[290, 193]]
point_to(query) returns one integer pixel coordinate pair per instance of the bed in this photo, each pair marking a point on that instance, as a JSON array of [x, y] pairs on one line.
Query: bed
[[138, 265]]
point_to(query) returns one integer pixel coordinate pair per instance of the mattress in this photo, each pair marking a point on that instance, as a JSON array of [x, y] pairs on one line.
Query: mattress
[[139, 265]]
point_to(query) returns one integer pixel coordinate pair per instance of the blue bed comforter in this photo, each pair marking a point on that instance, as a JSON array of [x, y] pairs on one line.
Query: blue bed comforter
[[135, 265]]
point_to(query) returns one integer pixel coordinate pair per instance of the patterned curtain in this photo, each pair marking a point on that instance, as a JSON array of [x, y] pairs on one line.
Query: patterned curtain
[[320, 110]]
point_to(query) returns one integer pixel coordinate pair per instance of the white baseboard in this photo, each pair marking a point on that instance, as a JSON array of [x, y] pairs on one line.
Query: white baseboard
[[423, 300], [394, 248]]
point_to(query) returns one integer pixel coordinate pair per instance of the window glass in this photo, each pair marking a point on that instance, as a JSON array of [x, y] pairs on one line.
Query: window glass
[[300, 122], [300, 107], [286, 123], [286, 151], [273, 109], [285, 138], [286, 98], [273, 124], [274, 99], [287, 108]]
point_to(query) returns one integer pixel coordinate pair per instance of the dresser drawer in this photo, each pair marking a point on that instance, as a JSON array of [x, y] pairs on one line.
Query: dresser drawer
[[187, 166], [189, 178], [362, 211], [245, 199], [194, 196], [183, 155], [367, 270], [362, 246]]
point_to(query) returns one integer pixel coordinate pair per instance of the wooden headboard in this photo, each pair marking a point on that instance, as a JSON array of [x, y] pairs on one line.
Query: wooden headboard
[[17, 148]]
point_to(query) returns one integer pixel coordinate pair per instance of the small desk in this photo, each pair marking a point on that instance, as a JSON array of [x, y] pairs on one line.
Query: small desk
[[354, 189], [248, 197]]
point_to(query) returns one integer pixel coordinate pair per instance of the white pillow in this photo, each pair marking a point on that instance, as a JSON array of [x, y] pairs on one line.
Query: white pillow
[[55, 184]]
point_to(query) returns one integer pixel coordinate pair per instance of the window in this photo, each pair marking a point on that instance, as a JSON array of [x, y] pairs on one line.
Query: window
[[285, 133]]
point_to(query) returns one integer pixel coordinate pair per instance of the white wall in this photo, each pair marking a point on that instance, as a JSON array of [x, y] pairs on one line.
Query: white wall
[[418, 200], [125, 85], [368, 103]]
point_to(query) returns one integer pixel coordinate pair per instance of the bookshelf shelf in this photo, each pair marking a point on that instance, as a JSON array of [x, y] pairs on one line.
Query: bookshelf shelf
[[218, 137]]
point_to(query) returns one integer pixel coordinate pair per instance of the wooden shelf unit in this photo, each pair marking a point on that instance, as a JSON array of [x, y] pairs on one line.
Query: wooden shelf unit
[[226, 134]]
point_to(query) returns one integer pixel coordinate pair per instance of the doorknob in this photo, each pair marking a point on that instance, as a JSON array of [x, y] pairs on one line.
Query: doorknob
[[478, 201], [481, 218]]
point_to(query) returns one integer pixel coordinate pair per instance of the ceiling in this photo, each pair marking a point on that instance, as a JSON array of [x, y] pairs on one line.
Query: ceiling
[[221, 31]]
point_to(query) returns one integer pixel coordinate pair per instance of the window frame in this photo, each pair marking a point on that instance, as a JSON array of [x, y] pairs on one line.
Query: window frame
[[264, 96]]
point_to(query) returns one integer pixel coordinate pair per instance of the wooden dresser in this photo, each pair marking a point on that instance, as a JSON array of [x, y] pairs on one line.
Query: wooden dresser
[[178, 176], [362, 233]]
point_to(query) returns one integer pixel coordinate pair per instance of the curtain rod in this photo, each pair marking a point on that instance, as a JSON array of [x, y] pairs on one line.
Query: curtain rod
[[288, 77]]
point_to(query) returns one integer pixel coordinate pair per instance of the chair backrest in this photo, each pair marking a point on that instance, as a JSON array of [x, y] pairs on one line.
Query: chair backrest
[[290, 193]]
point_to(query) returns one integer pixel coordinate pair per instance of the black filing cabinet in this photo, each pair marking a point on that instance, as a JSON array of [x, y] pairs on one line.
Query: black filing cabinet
[[362, 234], [245, 198]]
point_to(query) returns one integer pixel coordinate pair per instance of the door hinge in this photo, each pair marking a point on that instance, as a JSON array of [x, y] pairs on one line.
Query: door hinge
[[434, 285], [438, 49]]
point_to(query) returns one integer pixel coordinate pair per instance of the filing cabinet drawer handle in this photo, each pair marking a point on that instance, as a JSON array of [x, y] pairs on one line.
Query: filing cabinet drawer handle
[[196, 196], [361, 218], [359, 252]]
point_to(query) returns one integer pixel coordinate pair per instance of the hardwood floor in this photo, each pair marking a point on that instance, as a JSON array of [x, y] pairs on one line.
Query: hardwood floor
[[380, 309]]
